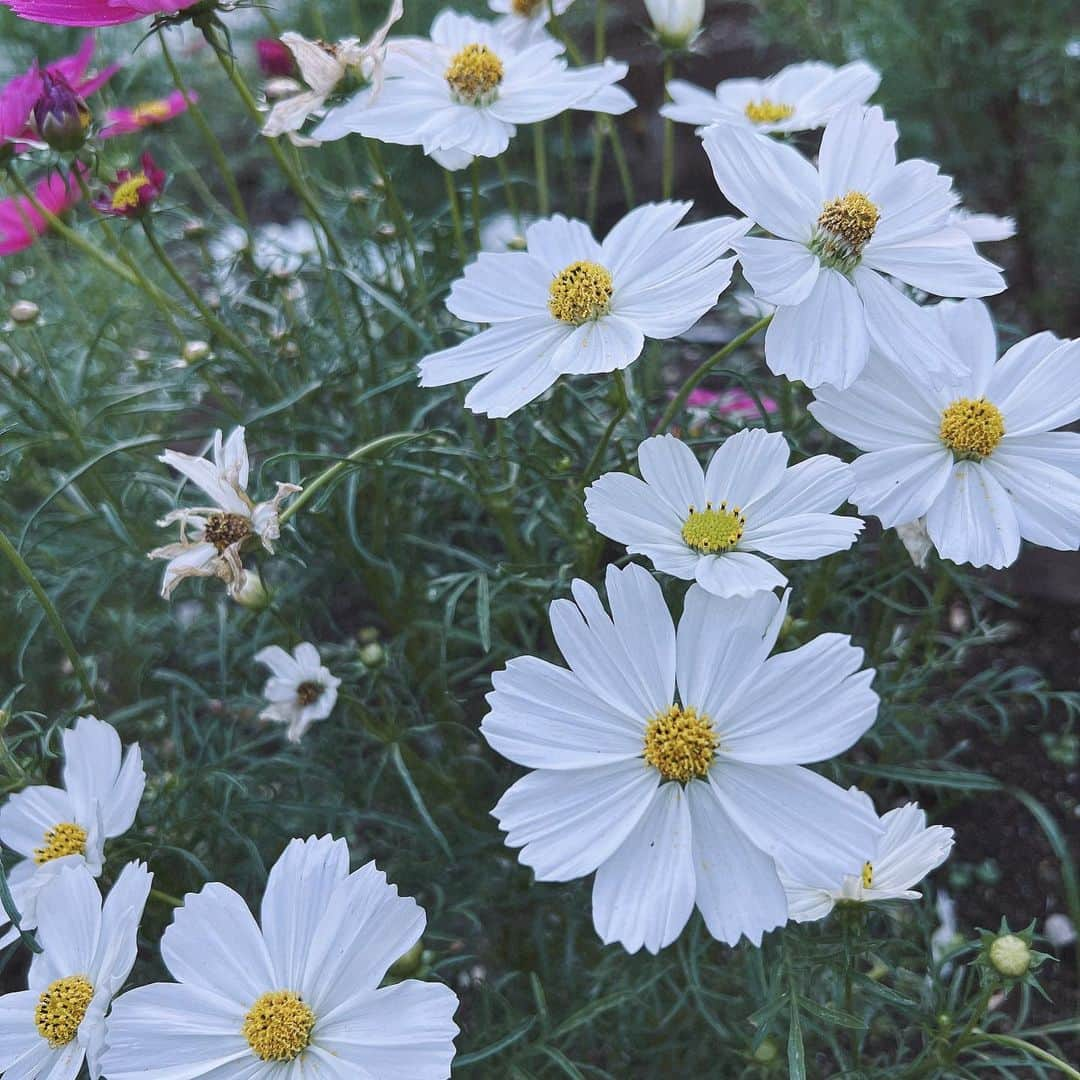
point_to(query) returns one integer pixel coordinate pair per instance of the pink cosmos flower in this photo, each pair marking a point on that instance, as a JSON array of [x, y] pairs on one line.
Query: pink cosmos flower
[[145, 114], [133, 192], [275, 59], [20, 221], [93, 12], [732, 404], [19, 96]]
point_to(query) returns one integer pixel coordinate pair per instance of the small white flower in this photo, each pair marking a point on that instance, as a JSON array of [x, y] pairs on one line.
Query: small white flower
[[524, 20], [53, 828], [323, 67], [799, 98], [676, 21], [89, 949], [568, 305], [298, 996], [462, 94], [687, 799], [219, 532], [300, 691], [979, 457], [983, 228], [839, 232], [905, 852], [705, 525]]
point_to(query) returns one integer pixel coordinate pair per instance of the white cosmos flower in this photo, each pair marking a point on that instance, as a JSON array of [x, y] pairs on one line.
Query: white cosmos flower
[[799, 98], [525, 19], [219, 532], [461, 94], [705, 525], [53, 828], [298, 996], [88, 950], [300, 691], [839, 232], [569, 305], [978, 457], [676, 21], [323, 67], [670, 762], [905, 852]]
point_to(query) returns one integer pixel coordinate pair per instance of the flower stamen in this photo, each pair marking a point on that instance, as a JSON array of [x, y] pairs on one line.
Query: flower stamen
[[126, 195], [844, 228], [61, 1008], [67, 838], [527, 8], [581, 292], [474, 75], [713, 529], [867, 875], [767, 111], [971, 428], [224, 530], [150, 111], [680, 743], [307, 693], [278, 1026]]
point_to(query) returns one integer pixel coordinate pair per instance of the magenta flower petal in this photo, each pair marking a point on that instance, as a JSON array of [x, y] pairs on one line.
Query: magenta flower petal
[[21, 223], [124, 121], [93, 12]]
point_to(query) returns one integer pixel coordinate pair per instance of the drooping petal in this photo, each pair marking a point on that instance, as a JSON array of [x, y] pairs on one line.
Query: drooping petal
[[736, 574], [973, 520], [1045, 497], [779, 271], [900, 484]]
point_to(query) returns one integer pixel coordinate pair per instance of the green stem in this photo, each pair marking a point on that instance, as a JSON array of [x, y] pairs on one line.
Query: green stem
[[508, 189], [24, 571], [679, 400], [455, 214], [1031, 1048], [543, 194], [622, 406], [166, 898], [475, 183], [668, 175]]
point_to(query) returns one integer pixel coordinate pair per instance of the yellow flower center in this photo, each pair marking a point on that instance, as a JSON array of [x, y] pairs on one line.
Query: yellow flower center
[[528, 8], [971, 428], [224, 530], [474, 75], [845, 226], [67, 838], [149, 111], [710, 530], [768, 112], [126, 195], [581, 292], [278, 1026], [61, 1008], [680, 744], [867, 875]]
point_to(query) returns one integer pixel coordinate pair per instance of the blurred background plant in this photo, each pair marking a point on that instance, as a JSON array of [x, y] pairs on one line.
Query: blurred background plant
[[429, 557]]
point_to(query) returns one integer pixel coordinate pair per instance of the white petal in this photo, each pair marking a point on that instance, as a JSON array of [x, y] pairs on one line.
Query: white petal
[[281, 663], [30, 813], [805, 705], [512, 385], [803, 536], [970, 329], [609, 343], [1038, 393], [484, 352], [858, 150], [567, 823], [670, 468], [120, 917], [94, 774], [824, 339], [628, 510], [747, 465], [207, 476], [558, 241], [1046, 498], [736, 574], [779, 271], [817, 485], [915, 199], [644, 894], [908, 851], [501, 286], [900, 484], [738, 891], [944, 263], [972, 520], [69, 922], [22, 1049], [638, 233]]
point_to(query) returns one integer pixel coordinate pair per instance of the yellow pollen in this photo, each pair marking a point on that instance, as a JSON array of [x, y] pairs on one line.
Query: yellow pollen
[[867, 875], [126, 195], [67, 838], [581, 292], [768, 112], [224, 530], [972, 427], [852, 218], [61, 1008], [527, 8], [710, 530], [474, 75], [680, 744], [150, 111], [278, 1026]]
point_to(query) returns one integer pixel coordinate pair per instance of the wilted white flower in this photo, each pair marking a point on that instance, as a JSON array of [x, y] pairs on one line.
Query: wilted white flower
[[840, 232], [978, 456], [671, 762], [323, 67], [219, 532], [462, 94], [297, 997], [676, 21], [88, 951], [905, 852], [300, 691], [799, 98], [53, 828], [570, 305], [708, 525]]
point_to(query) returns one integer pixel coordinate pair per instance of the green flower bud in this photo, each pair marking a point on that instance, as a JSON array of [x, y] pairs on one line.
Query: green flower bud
[[1010, 955], [24, 312]]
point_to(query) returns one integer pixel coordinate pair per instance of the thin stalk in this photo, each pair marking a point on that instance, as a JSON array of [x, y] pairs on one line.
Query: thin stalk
[[455, 214], [668, 175], [622, 406], [1031, 1048], [508, 189], [543, 194], [475, 178], [679, 400], [166, 898], [8, 549]]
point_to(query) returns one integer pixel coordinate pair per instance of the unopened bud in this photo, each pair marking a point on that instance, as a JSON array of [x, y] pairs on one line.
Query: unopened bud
[[195, 229], [252, 594], [1010, 955], [373, 655], [409, 964], [676, 21], [194, 352], [24, 312], [62, 117], [767, 1052]]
